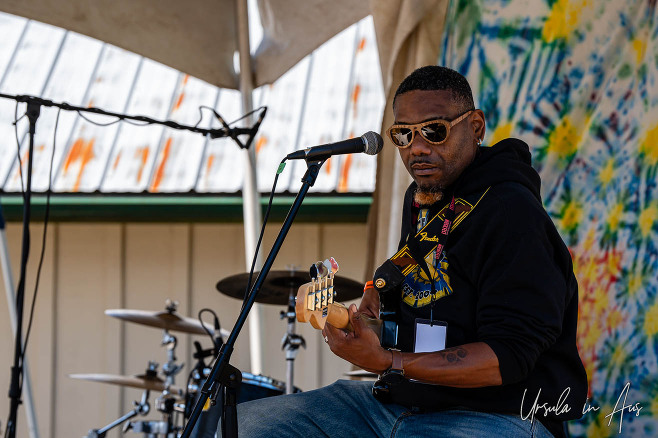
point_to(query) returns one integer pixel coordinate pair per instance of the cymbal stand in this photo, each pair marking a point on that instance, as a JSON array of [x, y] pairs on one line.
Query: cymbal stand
[[291, 342], [141, 408], [170, 369]]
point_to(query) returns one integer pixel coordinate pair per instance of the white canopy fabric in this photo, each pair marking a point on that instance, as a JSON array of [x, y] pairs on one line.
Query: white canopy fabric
[[199, 37]]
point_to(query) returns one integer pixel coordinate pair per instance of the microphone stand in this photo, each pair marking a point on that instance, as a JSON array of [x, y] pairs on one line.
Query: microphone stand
[[34, 105], [222, 373]]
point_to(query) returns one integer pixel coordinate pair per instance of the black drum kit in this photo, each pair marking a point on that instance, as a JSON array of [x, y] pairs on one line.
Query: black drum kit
[[175, 403]]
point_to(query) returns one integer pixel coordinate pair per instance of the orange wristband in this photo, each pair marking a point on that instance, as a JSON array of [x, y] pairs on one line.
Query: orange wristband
[[369, 284]]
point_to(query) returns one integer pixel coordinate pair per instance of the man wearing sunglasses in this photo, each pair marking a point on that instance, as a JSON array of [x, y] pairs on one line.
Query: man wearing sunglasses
[[485, 298]]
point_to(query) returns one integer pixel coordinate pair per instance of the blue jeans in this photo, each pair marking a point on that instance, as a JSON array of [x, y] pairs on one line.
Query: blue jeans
[[348, 409]]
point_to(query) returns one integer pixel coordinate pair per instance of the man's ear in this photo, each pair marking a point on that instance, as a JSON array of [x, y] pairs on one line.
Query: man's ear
[[478, 124]]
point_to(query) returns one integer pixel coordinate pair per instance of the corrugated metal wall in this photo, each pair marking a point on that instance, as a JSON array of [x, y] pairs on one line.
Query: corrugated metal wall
[[332, 94]]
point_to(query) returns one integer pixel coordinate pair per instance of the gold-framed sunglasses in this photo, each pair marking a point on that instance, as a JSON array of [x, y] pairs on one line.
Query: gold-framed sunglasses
[[433, 131]]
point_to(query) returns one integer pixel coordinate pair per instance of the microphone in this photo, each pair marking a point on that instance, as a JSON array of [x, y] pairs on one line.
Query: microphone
[[370, 143]]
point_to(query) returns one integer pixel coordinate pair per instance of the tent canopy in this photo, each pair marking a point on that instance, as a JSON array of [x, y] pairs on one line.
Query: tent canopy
[[199, 37]]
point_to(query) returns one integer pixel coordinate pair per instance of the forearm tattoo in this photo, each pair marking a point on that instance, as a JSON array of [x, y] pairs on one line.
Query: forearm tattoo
[[453, 354]]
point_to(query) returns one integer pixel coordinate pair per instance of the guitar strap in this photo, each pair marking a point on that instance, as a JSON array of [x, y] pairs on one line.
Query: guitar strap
[[415, 253], [420, 246]]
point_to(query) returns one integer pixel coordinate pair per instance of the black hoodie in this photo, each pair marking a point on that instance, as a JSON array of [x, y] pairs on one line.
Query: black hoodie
[[513, 288]]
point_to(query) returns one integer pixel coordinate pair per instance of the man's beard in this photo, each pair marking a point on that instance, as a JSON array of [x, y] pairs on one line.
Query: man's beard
[[428, 195]]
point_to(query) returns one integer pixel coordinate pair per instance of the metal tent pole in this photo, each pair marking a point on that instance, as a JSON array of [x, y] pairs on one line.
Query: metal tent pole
[[250, 196]]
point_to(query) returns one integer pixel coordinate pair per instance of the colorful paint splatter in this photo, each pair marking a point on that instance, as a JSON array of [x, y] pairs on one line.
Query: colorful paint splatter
[[577, 80]]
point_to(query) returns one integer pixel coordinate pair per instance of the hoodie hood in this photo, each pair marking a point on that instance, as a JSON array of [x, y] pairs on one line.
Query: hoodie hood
[[506, 161]]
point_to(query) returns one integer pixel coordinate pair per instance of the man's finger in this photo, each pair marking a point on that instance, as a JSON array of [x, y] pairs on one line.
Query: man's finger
[[355, 319]]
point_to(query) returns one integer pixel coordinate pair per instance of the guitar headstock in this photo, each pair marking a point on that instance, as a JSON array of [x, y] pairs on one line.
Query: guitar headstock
[[314, 298]]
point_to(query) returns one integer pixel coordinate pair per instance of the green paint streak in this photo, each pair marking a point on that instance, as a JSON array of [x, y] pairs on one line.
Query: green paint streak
[[625, 71]]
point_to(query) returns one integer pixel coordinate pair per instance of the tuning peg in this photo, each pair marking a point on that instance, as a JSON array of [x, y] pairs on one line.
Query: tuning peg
[[334, 265], [313, 271], [322, 269]]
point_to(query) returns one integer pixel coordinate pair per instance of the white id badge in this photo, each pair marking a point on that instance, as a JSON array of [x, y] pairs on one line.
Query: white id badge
[[429, 336]]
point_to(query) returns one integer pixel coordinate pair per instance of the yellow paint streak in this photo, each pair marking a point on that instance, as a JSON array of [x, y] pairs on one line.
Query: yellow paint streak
[[601, 301], [651, 320], [640, 48], [635, 282], [654, 406], [614, 319], [592, 337], [573, 215], [614, 263], [615, 216], [501, 132], [648, 217], [649, 146], [564, 139], [562, 20], [608, 172]]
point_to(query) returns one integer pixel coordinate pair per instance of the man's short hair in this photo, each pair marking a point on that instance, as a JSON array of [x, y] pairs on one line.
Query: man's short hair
[[435, 77]]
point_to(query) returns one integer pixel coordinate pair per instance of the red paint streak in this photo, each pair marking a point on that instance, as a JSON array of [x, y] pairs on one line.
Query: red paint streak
[[179, 102], [143, 154], [211, 160], [157, 179], [344, 174], [362, 45], [86, 157], [116, 161], [74, 154], [355, 97], [260, 143]]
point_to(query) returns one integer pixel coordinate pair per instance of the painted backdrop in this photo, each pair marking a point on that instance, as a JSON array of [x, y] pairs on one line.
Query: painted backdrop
[[576, 80]]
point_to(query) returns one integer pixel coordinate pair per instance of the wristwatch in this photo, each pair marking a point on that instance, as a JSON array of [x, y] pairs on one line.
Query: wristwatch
[[385, 387], [396, 362]]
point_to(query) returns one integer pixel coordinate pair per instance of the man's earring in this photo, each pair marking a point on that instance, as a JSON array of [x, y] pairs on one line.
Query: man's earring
[[479, 142]]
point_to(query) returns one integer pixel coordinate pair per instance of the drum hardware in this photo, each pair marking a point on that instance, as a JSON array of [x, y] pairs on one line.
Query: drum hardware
[[141, 408], [170, 369], [291, 341]]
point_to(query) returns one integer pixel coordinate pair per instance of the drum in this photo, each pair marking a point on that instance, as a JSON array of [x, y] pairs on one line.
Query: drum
[[252, 387]]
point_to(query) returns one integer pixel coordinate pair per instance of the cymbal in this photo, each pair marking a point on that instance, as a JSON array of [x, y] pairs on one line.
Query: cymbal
[[163, 319], [279, 284], [141, 381]]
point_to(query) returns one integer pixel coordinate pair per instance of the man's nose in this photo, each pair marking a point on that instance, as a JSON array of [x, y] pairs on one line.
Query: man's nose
[[419, 146]]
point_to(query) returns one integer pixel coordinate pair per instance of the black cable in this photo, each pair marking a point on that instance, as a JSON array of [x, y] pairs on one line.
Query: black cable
[[119, 119], [282, 165], [205, 329], [43, 240], [18, 147]]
